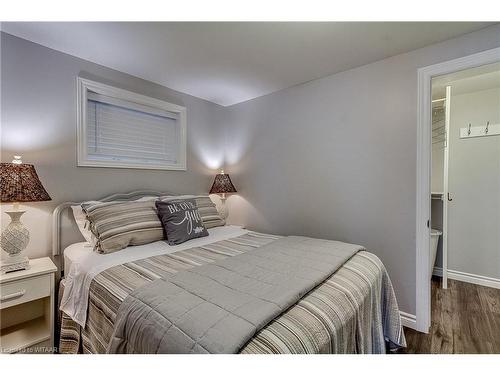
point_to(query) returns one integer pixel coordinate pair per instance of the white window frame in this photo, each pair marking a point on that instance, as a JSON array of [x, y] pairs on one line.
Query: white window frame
[[84, 86]]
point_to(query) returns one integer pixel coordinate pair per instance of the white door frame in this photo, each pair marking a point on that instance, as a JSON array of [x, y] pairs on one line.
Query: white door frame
[[424, 147]]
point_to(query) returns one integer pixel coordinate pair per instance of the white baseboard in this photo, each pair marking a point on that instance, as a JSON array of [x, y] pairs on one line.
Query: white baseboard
[[469, 278], [408, 320]]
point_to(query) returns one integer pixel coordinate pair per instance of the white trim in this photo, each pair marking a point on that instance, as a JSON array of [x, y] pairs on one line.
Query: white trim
[[469, 278], [84, 85], [423, 190], [424, 144], [408, 320]]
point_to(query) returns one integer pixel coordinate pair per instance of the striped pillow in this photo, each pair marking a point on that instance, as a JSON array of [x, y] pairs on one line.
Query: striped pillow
[[117, 225], [208, 211], [81, 218]]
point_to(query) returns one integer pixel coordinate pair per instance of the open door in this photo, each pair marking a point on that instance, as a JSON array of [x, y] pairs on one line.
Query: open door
[[446, 193]]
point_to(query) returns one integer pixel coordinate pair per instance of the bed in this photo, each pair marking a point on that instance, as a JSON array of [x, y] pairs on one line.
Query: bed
[[352, 310]]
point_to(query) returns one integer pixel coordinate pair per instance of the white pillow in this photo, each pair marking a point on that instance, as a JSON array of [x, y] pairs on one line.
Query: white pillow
[[81, 218]]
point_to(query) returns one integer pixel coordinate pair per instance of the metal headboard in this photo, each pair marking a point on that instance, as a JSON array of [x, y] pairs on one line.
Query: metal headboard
[[59, 211]]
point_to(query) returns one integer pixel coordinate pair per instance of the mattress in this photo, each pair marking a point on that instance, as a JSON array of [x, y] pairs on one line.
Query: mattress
[[353, 311]]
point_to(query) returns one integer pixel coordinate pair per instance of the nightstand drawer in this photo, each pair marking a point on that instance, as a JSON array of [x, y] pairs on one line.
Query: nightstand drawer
[[20, 291]]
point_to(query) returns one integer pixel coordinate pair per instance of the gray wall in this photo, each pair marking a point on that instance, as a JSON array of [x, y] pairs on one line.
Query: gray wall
[[474, 182], [336, 157], [39, 122]]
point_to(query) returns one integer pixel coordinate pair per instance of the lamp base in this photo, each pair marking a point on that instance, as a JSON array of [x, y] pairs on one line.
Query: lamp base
[[14, 240], [11, 264], [223, 211]]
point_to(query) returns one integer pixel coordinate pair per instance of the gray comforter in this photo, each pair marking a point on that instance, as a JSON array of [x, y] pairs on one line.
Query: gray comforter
[[218, 307]]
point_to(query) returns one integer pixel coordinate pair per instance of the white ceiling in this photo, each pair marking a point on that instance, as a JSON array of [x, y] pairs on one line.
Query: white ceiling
[[228, 63], [470, 80]]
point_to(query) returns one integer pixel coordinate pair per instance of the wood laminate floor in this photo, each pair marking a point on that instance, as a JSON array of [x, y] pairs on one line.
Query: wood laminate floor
[[465, 319]]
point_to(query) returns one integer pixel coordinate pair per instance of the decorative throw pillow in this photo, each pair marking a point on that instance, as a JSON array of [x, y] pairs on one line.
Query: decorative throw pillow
[[117, 225], [181, 220], [208, 211]]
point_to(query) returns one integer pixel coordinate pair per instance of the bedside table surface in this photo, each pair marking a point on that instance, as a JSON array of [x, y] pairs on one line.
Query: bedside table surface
[[39, 266]]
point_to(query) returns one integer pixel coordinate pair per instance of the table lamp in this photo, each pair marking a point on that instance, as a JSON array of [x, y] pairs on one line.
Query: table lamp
[[222, 185], [18, 183]]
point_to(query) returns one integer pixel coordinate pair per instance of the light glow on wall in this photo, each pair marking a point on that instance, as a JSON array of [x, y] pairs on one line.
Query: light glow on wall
[[242, 212], [212, 157], [29, 135], [239, 139]]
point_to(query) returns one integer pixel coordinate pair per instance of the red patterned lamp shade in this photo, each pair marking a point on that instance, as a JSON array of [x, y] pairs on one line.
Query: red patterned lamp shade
[[222, 184], [20, 183]]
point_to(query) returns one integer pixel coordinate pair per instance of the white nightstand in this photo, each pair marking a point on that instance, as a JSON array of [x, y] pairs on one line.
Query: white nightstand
[[27, 309]]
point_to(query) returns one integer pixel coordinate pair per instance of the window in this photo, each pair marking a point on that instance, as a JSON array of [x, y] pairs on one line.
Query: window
[[122, 129]]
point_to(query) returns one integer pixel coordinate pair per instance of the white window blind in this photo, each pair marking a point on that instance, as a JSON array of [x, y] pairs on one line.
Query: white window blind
[[124, 133]]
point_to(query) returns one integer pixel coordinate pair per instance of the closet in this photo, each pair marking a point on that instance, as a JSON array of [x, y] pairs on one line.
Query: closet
[[465, 183], [439, 182]]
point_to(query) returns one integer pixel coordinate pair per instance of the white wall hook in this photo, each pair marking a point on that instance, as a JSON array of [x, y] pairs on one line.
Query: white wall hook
[[480, 131]]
